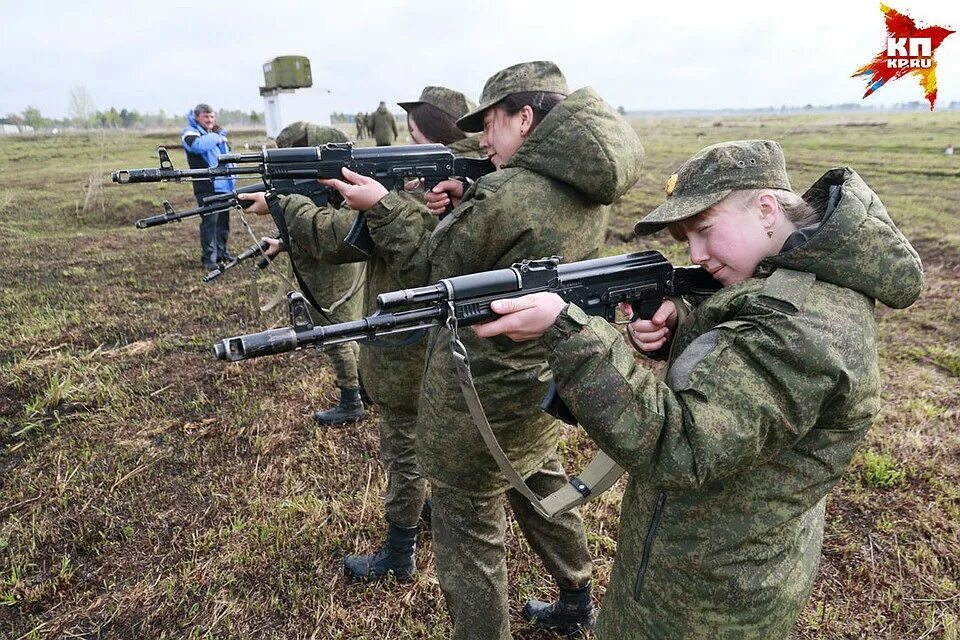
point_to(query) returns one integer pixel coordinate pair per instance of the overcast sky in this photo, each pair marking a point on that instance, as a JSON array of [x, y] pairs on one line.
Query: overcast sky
[[669, 54]]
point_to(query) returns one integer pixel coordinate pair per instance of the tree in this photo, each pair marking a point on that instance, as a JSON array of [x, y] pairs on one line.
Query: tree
[[33, 118], [112, 118], [129, 118], [16, 120], [621, 110], [82, 108]]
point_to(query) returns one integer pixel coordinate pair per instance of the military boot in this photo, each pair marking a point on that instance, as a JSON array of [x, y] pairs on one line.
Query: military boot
[[349, 409], [571, 616], [396, 556], [426, 511]]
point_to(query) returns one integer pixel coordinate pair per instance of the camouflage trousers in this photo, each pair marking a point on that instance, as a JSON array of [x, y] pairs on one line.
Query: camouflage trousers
[[468, 544], [344, 359], [406, 486]]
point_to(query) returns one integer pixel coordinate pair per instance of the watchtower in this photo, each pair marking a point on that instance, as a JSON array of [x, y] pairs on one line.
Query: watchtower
[[283, 74]]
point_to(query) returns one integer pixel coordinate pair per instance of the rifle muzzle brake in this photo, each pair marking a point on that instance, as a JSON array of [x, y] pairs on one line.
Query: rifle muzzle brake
[[132, 176]]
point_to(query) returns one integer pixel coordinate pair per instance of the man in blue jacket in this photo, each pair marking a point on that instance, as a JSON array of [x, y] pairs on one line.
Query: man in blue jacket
[[203, 140]]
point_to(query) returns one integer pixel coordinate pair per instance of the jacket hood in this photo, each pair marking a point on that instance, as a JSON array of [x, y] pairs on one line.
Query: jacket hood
[[857, 245], [585, 143]]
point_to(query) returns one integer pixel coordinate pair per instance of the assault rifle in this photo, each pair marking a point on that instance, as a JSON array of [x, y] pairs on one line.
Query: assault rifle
[[390, 166], [220, 202], [597, 286]]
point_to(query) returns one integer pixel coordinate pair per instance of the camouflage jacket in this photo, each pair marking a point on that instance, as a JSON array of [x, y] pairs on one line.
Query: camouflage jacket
[[387, 372], [772, 386], [468, 147], [383, 126], [550, 199], [329, 283], [391, 375]]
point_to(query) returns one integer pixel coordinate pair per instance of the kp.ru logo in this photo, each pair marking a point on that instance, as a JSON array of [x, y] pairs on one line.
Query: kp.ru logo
[[909, 50]]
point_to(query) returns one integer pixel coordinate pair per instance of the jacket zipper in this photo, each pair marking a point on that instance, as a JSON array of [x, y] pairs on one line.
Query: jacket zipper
[[647, 544]]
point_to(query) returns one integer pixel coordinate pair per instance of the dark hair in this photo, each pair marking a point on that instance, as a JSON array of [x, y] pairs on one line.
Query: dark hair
[[540, 101], [435, 123]]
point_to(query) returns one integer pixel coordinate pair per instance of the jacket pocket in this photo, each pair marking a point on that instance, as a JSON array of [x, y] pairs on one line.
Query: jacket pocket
[[647, 545]]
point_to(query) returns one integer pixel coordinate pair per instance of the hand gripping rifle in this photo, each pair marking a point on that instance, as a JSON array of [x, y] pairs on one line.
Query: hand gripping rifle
[[597, 286], [390, 166]]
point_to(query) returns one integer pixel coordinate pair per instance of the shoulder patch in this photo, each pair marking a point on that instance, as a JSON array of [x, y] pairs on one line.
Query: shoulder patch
[[678, 378]]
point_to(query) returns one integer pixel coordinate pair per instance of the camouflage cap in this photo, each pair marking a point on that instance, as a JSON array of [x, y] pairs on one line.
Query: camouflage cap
[[451, 102], [520, 78], [307, 134], [712, 174]]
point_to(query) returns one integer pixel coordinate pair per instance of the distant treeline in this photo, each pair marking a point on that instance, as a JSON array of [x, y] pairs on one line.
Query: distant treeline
[[30, 119], [338, 117], [112, 118], [915, 105]]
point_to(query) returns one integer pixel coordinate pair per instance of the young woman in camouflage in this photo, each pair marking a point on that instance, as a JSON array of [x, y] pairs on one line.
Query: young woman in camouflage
[[329, 283], [391, 375], [561, 160], [773, 383]]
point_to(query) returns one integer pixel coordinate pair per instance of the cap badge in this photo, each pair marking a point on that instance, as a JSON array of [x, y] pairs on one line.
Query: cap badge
[[671, 184]]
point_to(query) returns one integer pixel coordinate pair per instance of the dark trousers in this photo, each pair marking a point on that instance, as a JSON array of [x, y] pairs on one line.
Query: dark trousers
[[214, 229]]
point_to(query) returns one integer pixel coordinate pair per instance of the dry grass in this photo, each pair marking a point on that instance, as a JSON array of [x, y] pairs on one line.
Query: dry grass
[[150, 491]]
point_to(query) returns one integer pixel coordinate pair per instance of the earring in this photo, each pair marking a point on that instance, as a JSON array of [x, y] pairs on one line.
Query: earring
[[769, 233]]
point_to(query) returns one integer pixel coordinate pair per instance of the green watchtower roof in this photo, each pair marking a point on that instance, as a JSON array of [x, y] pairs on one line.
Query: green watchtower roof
[[286, 72]]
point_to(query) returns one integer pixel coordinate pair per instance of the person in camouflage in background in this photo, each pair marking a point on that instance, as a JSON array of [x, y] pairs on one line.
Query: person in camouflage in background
[[361, 123], [562, 160], [383, 126], [368, 123], [331, 286], [391, 375], [772, 385]]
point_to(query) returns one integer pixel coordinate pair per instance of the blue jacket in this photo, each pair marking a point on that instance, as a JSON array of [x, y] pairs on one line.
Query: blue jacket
[[202, 148]]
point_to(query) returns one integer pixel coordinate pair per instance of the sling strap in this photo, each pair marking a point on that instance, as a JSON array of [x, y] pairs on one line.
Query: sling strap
[[597, 477]]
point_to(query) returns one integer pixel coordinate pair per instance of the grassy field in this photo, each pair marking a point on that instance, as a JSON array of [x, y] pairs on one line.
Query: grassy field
[[147, 490]]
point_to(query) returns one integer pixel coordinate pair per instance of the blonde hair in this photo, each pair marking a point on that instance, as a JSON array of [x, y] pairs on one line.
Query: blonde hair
[[797, 210]]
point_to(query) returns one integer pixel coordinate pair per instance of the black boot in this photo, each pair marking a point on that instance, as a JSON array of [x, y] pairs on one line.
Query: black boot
[[349, 409], [426, 511], [570, 616], [395, 557]]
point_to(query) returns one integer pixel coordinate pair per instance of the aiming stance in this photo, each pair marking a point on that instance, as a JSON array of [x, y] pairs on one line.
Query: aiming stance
[[773, 383]]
